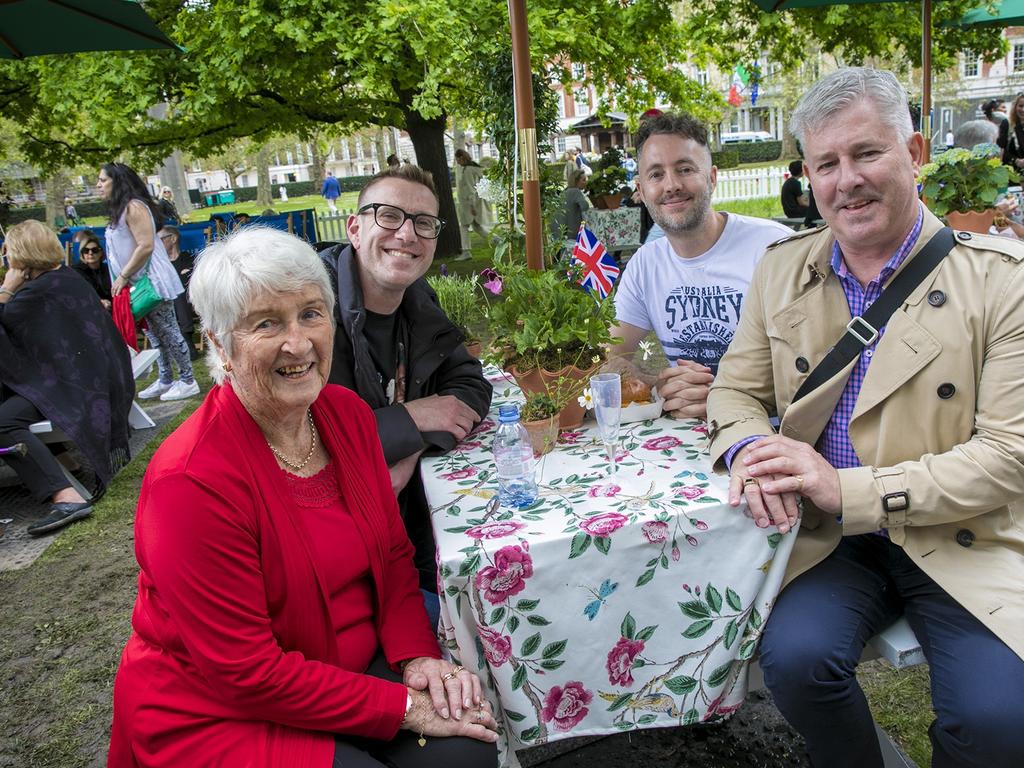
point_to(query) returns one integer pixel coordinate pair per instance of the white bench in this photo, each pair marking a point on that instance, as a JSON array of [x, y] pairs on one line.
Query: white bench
[[141, 363], [898, 646]]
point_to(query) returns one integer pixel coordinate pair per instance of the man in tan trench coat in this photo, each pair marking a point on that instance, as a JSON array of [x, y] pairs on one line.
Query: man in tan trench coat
[[906, 463]]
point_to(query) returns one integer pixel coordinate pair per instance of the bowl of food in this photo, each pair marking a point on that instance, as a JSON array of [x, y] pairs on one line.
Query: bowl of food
[[640, 401]]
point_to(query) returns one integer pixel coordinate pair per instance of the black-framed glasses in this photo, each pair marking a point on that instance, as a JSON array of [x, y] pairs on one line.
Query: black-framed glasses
[[90, 250], [392, 217]]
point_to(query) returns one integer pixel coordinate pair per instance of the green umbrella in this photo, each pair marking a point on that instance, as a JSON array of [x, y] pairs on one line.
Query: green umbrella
[[37, 27], [926, 48], [1010, 14]]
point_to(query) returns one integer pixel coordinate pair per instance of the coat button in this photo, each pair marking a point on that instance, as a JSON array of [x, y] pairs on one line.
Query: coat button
[[963, 235], [965, 537], [946, 391], [936, 298], [802, 365]]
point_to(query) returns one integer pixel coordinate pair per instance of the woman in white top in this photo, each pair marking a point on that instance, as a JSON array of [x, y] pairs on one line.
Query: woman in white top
[[133, 250]]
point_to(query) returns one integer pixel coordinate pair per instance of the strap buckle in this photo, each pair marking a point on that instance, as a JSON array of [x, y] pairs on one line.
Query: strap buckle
[[896, 502], [859, 332]]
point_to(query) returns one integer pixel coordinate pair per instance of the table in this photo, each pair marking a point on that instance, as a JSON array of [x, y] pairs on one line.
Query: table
[[618, 229], [613, 603]]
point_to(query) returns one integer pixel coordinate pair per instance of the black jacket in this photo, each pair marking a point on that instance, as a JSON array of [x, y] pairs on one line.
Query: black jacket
[[438, 364]]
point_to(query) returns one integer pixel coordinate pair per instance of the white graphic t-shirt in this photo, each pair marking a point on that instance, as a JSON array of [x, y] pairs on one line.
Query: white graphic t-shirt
[[693, 305]]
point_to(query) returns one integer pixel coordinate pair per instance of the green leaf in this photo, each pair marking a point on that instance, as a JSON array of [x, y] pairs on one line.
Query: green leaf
[[646, 633], [530, 644], [691, 716], [681, 685], [553, 649], [628, 626], [714, 598], [733, 600], [452, 590], [514, 716], [537, 621], [698, 628], [579, 545], [718, 676], [774, 539], [731, 630], [469, 565], [552, 664], [519, 677], [624, 725], [513, 624], [530, 734], [755, 618], [496, 615], [646, 719], [620, 702], [603, 544], [527, 605], [747, 650], [695, 609], [645, 577]]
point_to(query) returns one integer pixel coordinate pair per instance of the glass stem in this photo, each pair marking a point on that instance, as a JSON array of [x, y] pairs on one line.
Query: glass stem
[[610, 448]]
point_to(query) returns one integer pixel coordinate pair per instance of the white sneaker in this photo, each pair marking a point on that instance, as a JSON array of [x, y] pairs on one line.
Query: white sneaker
[[179, 390], [153, 390]]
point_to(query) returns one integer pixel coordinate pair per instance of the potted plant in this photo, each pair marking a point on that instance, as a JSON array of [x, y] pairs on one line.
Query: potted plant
[[548, 332], [962, 185], [540, 417], [609, 177], [458, 297]]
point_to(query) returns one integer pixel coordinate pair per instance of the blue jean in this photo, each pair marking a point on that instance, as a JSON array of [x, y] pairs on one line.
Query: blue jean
[[819, 627], [165, 337]]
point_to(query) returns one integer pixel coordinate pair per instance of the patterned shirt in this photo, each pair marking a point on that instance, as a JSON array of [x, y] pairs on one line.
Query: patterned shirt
[[834, 443]]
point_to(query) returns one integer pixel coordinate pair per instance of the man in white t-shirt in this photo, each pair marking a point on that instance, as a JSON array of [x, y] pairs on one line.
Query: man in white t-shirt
[[689, 286]]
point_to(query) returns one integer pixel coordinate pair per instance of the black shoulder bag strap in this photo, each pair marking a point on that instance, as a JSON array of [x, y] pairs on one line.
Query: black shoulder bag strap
[[862, 331]]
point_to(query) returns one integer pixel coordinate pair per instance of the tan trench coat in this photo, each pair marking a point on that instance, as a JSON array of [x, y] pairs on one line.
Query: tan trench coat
[[940, 414]]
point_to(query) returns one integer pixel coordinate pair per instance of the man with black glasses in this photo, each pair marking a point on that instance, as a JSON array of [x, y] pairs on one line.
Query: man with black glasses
[[395, 346]]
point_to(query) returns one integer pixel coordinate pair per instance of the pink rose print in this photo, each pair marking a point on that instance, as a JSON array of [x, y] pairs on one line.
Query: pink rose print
[[655, 531], [689, 492], [483, 426], [620, 660], [675, 554], [701, 429], [603, 524], [507, 577], [604, 491], [662, 443], [460, 474], [566, 706], [621, 456], [716, 709], [570, 437], [468, 445], [494, 530], [700, 525], [691, 540], [497, 647]]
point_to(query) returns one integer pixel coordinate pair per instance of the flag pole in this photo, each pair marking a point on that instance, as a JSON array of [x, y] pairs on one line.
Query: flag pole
[[526, 133], [926, 77]]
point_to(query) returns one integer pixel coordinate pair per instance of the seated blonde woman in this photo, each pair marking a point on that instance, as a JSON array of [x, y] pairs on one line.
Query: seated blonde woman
[[279, 620]]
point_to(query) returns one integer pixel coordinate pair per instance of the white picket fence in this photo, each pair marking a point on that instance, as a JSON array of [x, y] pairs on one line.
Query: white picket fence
[[746, 184], [330, 227]]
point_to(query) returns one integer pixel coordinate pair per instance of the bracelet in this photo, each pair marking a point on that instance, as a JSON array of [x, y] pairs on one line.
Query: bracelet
[[8, 292], [422, 741]]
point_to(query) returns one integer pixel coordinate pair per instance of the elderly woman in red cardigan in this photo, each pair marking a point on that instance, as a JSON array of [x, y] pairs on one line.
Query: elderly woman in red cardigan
[[279, 620]]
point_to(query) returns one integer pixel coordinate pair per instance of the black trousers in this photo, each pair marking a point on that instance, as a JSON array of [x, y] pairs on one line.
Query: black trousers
[[403, 751], [39, 471]]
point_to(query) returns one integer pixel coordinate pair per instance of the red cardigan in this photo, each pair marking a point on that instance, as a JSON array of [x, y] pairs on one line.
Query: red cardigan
[[232, 660]]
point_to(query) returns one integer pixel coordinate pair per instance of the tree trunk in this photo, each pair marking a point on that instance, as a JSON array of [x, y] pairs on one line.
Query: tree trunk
[[263, 196], [427, 138], [316, 171], [55, 189], [380, 147]]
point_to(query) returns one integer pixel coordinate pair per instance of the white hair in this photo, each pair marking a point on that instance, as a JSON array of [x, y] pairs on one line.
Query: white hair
[[231, 272], [844, 88]]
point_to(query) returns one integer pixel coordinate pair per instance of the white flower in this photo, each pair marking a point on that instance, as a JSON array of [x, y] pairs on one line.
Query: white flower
[[647, 347], [586, 400], [489, 190]]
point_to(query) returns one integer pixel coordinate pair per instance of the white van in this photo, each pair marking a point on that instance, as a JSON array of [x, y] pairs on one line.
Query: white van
[[736, 137]]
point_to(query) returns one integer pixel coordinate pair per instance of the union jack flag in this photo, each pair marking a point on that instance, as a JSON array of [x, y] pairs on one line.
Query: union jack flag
[[599, 268]]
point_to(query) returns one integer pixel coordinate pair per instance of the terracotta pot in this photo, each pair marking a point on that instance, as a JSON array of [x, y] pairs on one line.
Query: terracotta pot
[[608, 202], [475, 349], [971, 221], [543, 380], [528, 381], [543, 434]]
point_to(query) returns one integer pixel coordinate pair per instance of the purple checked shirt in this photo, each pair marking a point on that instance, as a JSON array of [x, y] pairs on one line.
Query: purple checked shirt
[[834, 443]]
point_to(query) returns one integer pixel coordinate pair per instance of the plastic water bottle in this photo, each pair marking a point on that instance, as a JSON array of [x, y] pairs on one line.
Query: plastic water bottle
[[513, 458]]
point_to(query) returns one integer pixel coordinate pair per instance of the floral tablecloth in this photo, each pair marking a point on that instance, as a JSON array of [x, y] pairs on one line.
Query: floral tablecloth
[[617, 229], [614, 602]]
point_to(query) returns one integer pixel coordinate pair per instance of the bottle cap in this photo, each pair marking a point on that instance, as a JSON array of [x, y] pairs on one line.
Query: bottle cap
[[507, 413]]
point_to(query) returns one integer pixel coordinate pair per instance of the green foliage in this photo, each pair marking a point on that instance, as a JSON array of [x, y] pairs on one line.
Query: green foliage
[[965, 180], [725, 158], [540, 405], [547, 320], [757, 151], [758, 207], [460, 300], [609, 175]]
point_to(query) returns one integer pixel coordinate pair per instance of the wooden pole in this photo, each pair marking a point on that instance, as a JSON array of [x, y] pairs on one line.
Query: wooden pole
[[527, 133], [926, 77]]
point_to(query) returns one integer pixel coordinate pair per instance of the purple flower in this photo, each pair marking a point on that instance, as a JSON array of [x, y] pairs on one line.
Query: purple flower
[[620, 661], [443, 270], [566, 706], [492, 280]]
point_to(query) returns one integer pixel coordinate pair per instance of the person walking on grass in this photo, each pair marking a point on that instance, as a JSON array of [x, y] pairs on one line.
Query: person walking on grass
[[331, 191]]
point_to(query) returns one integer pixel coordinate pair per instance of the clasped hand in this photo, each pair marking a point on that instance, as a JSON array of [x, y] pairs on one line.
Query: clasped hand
[[447, 701], [773, 472], [685, 387]]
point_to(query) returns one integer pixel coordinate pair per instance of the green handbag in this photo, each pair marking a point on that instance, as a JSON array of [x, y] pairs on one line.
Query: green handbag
[[144, 297]]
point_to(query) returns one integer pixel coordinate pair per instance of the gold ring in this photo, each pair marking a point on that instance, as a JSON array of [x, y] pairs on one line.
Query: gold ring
[[449, 676], [799, 482], [750, 481]]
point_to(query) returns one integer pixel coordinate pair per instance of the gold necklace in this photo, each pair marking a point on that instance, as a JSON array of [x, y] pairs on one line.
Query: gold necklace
[[312, 448]]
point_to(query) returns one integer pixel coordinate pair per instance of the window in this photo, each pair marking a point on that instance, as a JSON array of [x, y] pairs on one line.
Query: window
[[561, 103], [1018, 57], [579, 72], [581, 102], [701, 76], [560, 145], [971, 64], [245, 180]]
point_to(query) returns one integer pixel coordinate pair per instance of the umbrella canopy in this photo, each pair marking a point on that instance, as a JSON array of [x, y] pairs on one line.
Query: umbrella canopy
[[926, 48], [1010, 14], [38, 27]]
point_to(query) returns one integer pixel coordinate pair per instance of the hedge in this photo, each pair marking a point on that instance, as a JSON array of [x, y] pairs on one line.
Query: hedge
[[758, 151], [84, 208], [726, 158]]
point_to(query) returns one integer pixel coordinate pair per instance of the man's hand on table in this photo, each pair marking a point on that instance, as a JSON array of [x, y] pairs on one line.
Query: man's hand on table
[[442, 413], [772, 472], [402, 470], [447, 701], [684, 387]]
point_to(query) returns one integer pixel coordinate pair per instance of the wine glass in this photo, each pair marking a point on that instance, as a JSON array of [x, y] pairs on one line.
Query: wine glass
[[606, 390]]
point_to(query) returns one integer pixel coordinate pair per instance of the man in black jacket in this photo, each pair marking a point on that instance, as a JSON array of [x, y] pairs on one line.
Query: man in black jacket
[[395, 346]]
